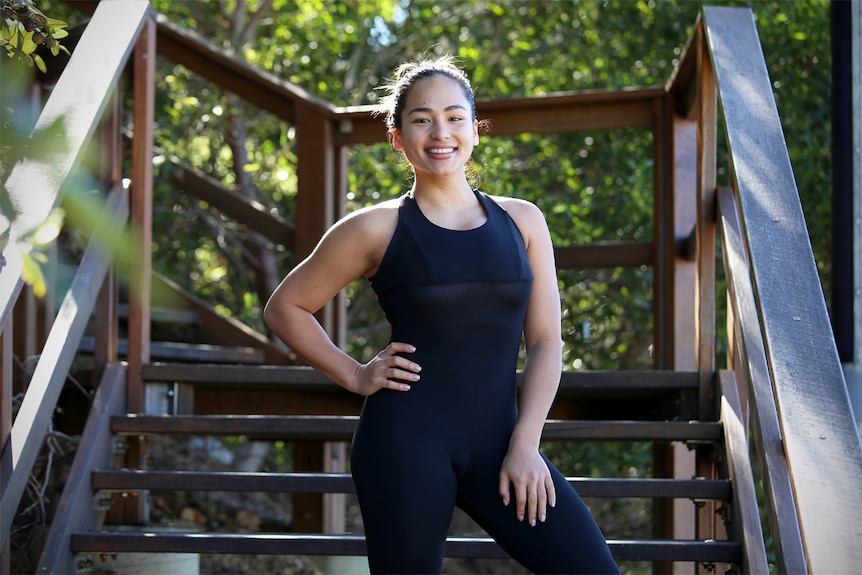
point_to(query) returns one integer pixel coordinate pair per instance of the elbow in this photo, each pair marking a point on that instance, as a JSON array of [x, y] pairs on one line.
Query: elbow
[[270, 314]]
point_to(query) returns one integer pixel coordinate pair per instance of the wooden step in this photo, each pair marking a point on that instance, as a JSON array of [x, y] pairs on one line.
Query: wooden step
[[341, 428], [708, 551], [134, 480], [271, 389], [191, 352], [272, 376]]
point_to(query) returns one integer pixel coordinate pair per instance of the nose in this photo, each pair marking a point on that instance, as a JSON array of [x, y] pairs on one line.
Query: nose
[[440, 131]]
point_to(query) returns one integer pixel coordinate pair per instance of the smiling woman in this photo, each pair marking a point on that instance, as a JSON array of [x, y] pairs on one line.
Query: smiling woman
[[462, 277]]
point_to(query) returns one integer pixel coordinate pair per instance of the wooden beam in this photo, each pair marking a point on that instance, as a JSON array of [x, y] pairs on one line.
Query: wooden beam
[[232, 204], [260, 88], [604, 255], [551, 113]]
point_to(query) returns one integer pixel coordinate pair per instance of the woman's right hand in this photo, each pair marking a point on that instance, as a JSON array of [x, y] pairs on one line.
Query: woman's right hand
[[387, 370]]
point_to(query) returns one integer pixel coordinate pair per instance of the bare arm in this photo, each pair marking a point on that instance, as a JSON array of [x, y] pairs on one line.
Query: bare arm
[[351, 248], [523, 467]]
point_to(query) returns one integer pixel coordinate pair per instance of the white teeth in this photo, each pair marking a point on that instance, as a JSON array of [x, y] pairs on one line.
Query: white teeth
[[441, 150]]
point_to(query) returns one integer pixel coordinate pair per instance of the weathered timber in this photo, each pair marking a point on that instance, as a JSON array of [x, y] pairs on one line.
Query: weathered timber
[[780, 503], [188, 352], [296, 544], [36, 410], [821, 438], [744, 520], [75, 510], [129, 480], [342, 428]]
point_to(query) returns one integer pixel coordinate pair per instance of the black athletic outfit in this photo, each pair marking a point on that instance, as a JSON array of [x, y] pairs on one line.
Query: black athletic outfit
[[460, 297]]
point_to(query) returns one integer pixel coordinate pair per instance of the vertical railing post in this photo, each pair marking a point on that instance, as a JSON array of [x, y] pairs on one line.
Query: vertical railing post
[[110, 174], [315, 151], [5, 419], [708, 521], [141, 208]]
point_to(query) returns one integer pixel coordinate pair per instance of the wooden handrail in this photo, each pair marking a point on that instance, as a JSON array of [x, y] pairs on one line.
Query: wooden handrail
[[37, 408], [820, 438], [745, 517], [80, 100], [780, 501]]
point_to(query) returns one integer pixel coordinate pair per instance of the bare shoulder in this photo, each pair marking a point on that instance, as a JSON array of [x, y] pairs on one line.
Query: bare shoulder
[[527, 216], [366, 233], [376, 219]]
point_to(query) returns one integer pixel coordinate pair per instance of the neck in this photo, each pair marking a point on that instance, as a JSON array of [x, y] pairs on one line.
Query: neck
[[443, 191]]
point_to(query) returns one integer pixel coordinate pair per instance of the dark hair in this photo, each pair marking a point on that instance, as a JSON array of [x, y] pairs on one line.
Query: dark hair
[[406, 75]]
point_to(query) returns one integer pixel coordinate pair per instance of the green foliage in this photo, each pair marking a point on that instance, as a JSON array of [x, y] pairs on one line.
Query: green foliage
[[25, 28], [592, 186]]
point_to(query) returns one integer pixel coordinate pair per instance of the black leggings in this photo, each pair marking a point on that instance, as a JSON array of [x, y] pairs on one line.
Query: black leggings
[[418, 454]]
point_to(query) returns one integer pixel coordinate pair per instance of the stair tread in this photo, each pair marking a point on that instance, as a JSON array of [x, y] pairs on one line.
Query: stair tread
[[203, 354], [129, 479], [341, 428], [291, 376], [351, 544]]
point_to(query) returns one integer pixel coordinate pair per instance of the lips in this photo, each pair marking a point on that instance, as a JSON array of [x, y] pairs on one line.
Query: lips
[[440, 151]]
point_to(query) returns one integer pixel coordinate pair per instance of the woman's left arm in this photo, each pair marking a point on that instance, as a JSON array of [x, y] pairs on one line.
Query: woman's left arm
[[524, 468]]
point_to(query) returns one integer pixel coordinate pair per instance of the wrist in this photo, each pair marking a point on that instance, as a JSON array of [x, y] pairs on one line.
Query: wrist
[[524, 438]]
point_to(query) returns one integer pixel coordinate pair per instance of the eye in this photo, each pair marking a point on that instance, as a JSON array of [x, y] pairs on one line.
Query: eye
[[456, 119], [421, 121]]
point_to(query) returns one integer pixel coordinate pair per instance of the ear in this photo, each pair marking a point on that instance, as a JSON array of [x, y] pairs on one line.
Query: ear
[[475, 132], [395, 139]]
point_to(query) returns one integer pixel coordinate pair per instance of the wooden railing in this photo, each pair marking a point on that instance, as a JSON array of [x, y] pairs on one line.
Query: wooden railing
[[85, 98], [783, 346]]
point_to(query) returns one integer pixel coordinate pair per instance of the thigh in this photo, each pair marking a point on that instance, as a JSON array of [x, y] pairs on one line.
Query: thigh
[[569, 541], [406, 494]]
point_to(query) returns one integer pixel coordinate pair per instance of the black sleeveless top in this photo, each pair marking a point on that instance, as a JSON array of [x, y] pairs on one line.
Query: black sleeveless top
[[459, 296]]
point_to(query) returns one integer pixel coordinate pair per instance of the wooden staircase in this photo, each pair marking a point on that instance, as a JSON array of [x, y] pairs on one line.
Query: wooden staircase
[[649, 388], [232, 382]]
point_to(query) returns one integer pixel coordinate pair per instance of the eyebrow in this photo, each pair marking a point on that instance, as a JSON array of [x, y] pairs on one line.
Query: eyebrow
[[427, 110]]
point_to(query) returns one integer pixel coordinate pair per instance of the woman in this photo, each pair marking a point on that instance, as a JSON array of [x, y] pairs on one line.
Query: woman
[[462, 277]]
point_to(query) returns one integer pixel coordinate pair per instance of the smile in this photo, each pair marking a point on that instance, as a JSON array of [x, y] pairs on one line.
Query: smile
[[441, 150]]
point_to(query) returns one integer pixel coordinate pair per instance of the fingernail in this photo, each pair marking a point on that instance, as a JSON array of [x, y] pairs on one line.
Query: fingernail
[[532, 522], [542, 518], [520, 517]]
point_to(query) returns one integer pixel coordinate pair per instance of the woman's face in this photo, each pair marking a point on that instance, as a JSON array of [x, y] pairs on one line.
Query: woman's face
[[437, 131]]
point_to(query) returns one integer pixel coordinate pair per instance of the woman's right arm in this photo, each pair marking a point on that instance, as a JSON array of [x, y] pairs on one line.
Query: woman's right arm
[[348, 250]]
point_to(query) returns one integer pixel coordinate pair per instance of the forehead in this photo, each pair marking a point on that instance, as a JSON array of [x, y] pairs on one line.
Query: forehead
[[436, 91]]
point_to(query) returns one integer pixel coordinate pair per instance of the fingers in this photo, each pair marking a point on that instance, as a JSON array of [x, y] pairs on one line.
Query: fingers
[[395, 367], [389, 371], [532, 498], [505, 491]]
